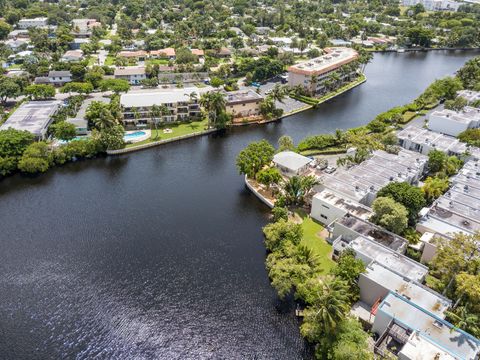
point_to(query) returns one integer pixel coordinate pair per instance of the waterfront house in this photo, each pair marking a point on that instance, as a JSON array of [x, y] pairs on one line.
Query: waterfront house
[[290, 163], [452, 123], [34, 117], [243, 103]]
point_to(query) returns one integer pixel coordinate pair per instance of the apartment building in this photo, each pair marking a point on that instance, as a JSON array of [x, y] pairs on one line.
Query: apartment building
[[243, 103], [133, 74], [313, 73], [32, 23], [177, 104], [452, 123]]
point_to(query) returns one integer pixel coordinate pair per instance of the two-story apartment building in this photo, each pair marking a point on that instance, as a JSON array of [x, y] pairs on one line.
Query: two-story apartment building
[[133, 74], [32, 23]]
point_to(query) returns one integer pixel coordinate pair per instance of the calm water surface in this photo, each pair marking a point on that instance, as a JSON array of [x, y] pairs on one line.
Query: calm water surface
[[158, 254]]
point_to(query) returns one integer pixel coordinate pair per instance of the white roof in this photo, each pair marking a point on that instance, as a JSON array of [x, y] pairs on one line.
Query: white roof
[[159, 97], [291, 160]]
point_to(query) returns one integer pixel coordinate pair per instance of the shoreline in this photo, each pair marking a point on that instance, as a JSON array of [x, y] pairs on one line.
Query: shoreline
[[423, 50]]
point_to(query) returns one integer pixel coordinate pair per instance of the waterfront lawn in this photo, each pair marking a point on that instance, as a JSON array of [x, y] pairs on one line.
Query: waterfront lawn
[[177, 130], [313, 240]]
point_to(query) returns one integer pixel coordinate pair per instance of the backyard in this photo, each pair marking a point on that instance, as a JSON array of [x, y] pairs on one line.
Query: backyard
[[176, 131], [313, 240]]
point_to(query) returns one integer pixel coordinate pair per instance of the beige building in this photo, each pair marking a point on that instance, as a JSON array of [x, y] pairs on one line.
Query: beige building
[[313, 73], [243, 103]]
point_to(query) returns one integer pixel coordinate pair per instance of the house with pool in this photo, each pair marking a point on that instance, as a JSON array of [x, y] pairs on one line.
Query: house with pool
[[159, 106]]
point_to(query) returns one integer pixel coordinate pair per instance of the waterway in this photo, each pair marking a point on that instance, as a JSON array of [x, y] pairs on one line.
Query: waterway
[[158, 254]]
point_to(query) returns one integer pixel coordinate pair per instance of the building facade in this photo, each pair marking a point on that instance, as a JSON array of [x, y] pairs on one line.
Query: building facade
[[313, 74]]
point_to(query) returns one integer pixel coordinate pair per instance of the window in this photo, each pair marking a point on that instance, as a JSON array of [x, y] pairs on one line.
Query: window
[[325, 206], [323, 216]]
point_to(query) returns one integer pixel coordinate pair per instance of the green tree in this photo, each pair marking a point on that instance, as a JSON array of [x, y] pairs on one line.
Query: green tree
[[8, 88], [64, 130], [36, 158], [279, 212], [116, 85], [456, 104], [110, 138], [390, 215], [297, 188], [5, 29], [411, 197], [278, 232], [349, 269], [214, 104], [95, 76], [40, 92], [328, 306], [77, 87], [254, 157], [269, 177], [285, 143], [434, 187]]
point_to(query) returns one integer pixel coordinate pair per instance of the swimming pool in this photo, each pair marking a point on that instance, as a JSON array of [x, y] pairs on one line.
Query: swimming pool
[[135, 136]]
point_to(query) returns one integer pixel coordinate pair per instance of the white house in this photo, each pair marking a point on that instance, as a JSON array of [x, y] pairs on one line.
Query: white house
[[72, 55], [133, 74], [290, 163], [452, 123]]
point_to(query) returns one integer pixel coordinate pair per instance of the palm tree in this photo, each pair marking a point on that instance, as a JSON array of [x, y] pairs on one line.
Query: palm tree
[[328, 306], [155, 113], [214, 104], [278, 93], [298, 187], [313, 84], [465, 320], [105, 120]]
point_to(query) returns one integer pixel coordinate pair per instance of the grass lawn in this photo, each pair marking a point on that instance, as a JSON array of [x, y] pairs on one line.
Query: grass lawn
[[15, 67], [177, 130], [157, 62], [312, 240]]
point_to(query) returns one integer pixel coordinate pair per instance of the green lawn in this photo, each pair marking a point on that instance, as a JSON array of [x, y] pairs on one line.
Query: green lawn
[[15, 67], [157, 62], [177, 130], [312, 240]]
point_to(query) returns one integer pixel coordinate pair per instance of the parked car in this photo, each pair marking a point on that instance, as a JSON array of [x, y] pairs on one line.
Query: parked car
[[330, 169]]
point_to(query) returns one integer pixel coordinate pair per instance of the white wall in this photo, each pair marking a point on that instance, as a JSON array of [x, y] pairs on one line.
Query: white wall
[[446, 125], [325, 212]]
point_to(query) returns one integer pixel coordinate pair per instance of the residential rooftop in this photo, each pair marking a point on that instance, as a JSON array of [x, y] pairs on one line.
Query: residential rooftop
[[421, 348], [33, 116], [367, 229], [369, 250], [291, 160], [436, 330], [469, 95], [334, 58], [350, 206], [157, 97], [371, 175], [242, 97], [395, 281], [465, 116], [129, 70]]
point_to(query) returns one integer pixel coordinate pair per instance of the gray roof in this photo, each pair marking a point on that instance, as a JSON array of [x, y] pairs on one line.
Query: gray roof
[[440, 332], [61, 73], [157, 97], [33, 116], [291, 160]]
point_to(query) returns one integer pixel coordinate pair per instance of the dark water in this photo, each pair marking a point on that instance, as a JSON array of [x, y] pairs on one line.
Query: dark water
[[158, 254]]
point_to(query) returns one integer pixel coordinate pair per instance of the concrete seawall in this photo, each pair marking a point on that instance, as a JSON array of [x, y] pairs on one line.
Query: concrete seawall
[[257, 194]]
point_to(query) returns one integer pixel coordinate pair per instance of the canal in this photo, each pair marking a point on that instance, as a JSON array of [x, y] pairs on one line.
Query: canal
[[158, 254]]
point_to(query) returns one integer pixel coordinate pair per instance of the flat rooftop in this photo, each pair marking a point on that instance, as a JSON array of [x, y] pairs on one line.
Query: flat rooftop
[[389, 258], [469, 95], [438, 331], [350, 206], [436, 140], [466, 116], [376, 172], [417, 293], [157, 97], [458, 210], [334, 58], [372, 231], [242, 96], [33, 116], [291, 160]]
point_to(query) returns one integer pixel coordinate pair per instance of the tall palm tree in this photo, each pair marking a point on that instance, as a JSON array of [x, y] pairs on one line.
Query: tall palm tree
[[278, 93], [155, 113], [214, 104], [328, 305], [313, 84], [105, 120]]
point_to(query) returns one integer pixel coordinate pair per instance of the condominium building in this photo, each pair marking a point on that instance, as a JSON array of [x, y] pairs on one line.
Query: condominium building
[[458, 210], [34, 117], [243, 103], [408, 331], [424, 140], [434, 5], [452, 123], [362, 182], [313, 73], [174, 105]]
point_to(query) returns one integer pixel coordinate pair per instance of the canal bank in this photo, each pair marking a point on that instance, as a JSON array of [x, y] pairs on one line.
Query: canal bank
[[158, 254]]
